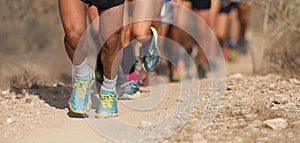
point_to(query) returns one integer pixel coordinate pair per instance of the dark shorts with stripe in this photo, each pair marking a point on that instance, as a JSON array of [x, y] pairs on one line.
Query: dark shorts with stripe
[[234, 5], [104, 4], [227, 8], [201, 4]]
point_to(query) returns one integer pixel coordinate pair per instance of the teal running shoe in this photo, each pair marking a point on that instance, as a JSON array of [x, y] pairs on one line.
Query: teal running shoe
[[150, 54], [129, 90], [108, 105], [80, 99]]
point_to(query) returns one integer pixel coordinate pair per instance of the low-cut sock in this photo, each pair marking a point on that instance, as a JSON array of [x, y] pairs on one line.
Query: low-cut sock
[[82, 70], [109, 84], [131, 76]]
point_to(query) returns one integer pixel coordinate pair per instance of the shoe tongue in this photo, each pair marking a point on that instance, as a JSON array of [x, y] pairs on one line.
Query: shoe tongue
[[82, 78], [107, 92]]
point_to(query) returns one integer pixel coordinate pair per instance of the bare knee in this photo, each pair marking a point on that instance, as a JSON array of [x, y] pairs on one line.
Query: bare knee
[[141, 29], [73, 34], [112, 44]]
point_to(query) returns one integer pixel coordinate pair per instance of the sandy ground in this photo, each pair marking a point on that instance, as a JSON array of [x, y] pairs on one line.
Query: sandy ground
[[41, 115]]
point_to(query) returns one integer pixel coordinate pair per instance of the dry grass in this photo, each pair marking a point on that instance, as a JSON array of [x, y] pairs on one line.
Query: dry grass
[[31, 40], [281, 46], [28, 76]]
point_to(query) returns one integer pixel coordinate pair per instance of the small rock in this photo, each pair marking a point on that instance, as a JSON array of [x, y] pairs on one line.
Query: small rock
[[238, 75], [290, 135], [284, 100], [9, 120], [61, 84], [4, 92], [257, 123], [238, 139], [280, 99], [295, 81], [19, 96], [145, 123], [254, 130], [261, 139], [297, 123], [28, 100], [250, 115], [276, 124], [254, 125], [274, 108], [228, 88], [198, 138], [272, 86], [7, 97], [24, 91], [291, 104], [195, 120]]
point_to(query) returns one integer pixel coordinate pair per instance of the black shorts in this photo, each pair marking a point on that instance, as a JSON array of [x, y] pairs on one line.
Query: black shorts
[[234, 5], [201, 4], [225, 7], [104, 4]]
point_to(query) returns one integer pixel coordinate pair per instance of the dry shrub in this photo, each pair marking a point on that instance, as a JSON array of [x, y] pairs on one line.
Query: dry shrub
[[32, 35], [29, 76], [25, 80], [281, 36]]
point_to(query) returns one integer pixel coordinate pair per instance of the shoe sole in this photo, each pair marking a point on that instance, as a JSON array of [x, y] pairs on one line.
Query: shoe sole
[[155, 35], [105, 115], [130, 96], [81, 111]]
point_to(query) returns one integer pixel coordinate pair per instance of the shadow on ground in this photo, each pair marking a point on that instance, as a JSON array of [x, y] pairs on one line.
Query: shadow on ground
[[56, 96]]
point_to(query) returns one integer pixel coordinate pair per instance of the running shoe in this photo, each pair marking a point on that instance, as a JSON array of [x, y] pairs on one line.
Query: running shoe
[[201, 71], [129, 90], [174, 74], [108, 105], [150, 54], [80, 99], [243, 46], [233, 50], [226, 52], [212, 65]]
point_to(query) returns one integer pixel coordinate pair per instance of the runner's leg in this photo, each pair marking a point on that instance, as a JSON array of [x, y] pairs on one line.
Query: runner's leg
[[146, 31], [73, 15], [202, 10], [74, 24]]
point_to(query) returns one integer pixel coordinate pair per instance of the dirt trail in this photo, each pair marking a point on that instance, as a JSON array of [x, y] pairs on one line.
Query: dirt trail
[[40, 115]]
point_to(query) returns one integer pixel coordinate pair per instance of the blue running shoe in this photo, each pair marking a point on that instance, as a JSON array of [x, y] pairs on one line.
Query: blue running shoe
[[150, 54], [108, 105], [80, 99], [129, 90]]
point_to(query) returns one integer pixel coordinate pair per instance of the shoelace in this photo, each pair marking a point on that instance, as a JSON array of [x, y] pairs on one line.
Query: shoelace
[[151, 51], [149, 60], [129, 85], [81, 87], [107, 100], [133, 85]]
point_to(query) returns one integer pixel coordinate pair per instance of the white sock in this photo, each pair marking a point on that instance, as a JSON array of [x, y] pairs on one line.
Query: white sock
[[82, 70], [109, 85]]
